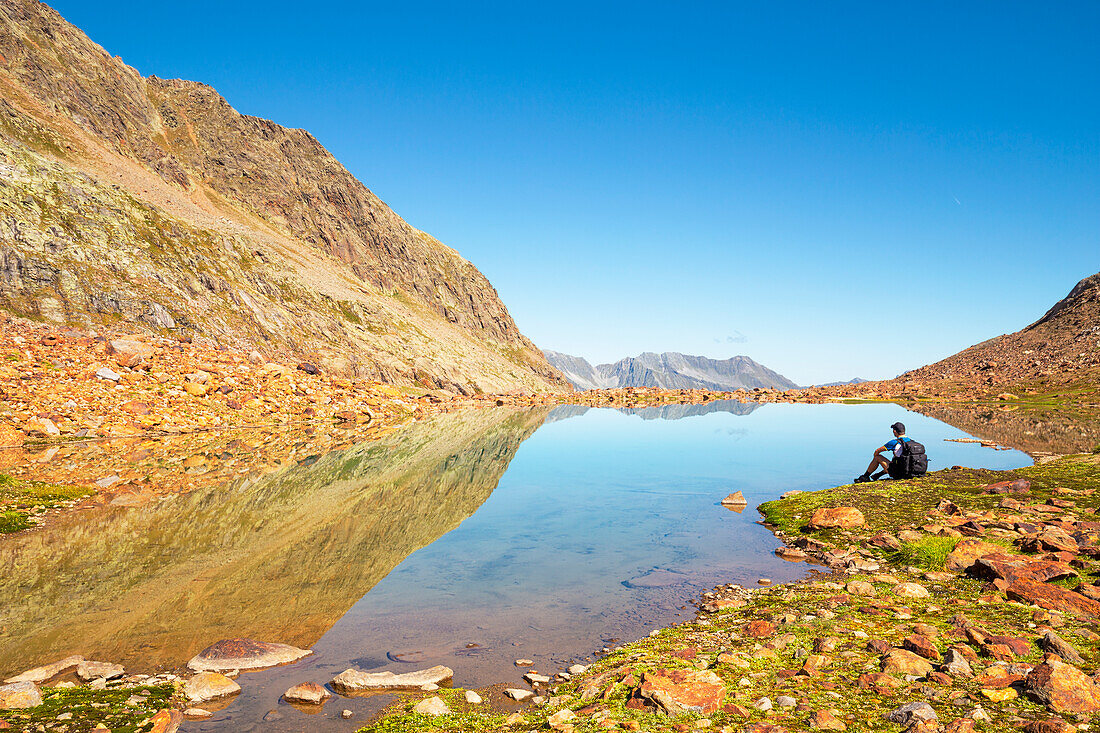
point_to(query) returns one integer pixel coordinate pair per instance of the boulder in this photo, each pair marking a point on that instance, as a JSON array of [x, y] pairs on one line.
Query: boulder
[[683, 690], [967, 552], [843, 517], [1063, 688], [519, 695], [88, 670], [922, 645], [47, 671], [902, 661], [352, 680], [41, 426], [209, 686], [19, 695], [912, 712], [560, 719], [735, 499], [431, 706], [128, 353], [473, 698], [307, 693], [244, 654]]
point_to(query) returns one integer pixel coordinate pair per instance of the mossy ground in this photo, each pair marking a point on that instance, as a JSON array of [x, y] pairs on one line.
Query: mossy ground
[[22, 502], [122, 710], [820, 608]]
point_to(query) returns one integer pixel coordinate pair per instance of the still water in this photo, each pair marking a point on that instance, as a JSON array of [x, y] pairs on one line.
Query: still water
[[468, 540]]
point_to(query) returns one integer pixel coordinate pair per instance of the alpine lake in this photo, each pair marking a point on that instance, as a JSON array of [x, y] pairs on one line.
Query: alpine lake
[[468, 539]]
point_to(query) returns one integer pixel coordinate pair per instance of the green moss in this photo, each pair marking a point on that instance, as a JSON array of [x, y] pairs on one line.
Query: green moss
[[90, 707], [12, 521]]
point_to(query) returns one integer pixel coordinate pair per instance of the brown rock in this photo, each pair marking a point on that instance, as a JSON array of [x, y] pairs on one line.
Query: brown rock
[[1053, 725], [880, 682], [1052, 597], [678, 690], [759, 629], [825, 720], [41, 426], [1063, 688], [1054, 644], [901, 661], [135, 407], [967, 552], [922, 645], [129, 353], [844, 517], [1007, 567]]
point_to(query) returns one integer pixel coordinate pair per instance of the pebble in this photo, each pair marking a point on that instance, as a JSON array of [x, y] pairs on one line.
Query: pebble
[[524, 662], [345, 714]]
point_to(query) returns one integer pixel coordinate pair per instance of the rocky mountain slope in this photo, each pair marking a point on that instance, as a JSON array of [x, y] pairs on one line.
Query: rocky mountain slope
[[669, 370], [153, 201], [1061, 348]]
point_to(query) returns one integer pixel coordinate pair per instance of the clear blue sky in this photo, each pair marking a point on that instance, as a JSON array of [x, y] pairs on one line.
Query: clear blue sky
[[834, 189]]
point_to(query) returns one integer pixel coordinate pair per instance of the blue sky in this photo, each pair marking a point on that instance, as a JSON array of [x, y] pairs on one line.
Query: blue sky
[[834, 189]]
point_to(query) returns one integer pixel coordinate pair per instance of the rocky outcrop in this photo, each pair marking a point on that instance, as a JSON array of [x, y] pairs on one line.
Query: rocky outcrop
[[156, 202]]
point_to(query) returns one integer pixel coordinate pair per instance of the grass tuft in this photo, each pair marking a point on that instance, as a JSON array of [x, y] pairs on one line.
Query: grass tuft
[[928, 552]]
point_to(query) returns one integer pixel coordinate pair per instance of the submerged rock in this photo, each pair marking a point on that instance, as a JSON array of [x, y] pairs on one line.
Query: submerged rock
[[244, 654], [353, 680]]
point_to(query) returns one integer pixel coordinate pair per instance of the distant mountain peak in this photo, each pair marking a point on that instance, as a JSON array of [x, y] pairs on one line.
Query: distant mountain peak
[[669, 370]]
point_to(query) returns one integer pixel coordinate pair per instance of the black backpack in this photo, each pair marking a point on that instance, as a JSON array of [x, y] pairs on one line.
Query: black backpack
[[913, 461]]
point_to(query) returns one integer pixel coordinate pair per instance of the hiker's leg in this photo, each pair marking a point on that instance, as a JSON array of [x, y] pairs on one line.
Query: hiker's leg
[[877, 462]]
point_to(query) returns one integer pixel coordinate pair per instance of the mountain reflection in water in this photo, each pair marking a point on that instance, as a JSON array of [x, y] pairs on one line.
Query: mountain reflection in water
[[280, 557]]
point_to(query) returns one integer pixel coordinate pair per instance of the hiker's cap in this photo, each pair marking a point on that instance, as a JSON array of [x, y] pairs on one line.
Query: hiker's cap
[[898, 427]]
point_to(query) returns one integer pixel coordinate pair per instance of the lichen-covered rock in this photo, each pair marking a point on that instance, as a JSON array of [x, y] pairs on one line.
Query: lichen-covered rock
[[432, 706], [244, 654], [901, 661]]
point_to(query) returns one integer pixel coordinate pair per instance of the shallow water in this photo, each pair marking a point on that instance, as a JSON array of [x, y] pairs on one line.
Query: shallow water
[[538, 534]]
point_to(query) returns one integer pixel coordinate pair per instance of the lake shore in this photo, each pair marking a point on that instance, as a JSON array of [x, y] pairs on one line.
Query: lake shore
[[963, 600]]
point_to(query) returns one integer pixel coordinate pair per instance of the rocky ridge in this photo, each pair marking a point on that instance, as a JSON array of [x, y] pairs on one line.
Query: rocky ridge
[[155, 202]]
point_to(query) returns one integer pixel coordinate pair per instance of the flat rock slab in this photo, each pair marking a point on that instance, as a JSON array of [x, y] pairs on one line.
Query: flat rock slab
[[353, 680], [209, 686], [656, 579], [19, 695], [307, 693], [244, 654], [1054, 597], [47, 671], [89, 670]]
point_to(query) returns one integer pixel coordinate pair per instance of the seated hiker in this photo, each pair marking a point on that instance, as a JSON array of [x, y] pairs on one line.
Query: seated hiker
[[892, 465]]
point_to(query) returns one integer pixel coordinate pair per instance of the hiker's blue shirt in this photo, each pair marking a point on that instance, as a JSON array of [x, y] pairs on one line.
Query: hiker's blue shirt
[[895, 446]]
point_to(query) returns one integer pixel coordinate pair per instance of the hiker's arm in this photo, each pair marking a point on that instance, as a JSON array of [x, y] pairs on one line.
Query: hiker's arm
[[882, 449]]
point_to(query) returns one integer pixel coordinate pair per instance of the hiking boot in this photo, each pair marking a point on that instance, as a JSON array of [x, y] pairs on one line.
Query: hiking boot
[[862, 479]]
